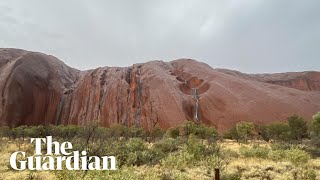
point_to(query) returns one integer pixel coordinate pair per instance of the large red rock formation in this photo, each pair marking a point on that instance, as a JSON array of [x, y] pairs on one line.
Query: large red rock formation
[[307, 81], [38, 89]]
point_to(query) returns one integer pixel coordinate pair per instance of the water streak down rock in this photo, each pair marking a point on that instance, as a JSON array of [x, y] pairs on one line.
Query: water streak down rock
[[39, 89], [196, 104]]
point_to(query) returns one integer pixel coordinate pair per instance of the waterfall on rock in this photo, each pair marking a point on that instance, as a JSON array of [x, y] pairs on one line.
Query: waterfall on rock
[[196, 105]]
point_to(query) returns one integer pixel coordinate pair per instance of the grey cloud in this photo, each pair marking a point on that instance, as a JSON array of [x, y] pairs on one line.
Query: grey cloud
[[247, 35]]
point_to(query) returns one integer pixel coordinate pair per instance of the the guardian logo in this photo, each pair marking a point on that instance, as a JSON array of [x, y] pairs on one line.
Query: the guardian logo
[[62, 158]]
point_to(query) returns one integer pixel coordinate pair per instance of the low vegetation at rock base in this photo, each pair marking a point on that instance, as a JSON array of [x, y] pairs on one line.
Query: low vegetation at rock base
[[286, 150]]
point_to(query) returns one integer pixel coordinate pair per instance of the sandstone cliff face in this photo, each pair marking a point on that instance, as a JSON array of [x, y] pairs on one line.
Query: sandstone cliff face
[[38, 89], [307, 81]]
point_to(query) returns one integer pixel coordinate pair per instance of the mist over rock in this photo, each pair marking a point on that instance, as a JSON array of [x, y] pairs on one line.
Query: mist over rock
[[40, 89]]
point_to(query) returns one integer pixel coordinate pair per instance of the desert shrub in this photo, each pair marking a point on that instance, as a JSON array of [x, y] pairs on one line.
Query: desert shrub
[[255, 151], [200, 130], [157, 133], [20, 131], [68, 131], [173, 132], [277, 155], [120, 174], [314, 151], [92, 139], [119, 150], [195, 146], [167, 145], [136, 132], [173, 175], [244, 130], [297, 156], [213, 149], [132, 159], [278, 131], [229, 153], [153, 156], [135, 152], [178, 160], [298, 127], [118, 130], [231, 176], [315, 141], [63, 131], [135, 144], [4, 131], [3, 145], [281, 146], [314, 131], [232, 134], [314, 126], [36, 131], [305, 173]]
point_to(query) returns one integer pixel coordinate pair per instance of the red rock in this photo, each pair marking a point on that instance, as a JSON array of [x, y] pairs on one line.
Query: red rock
[[307, 81], [39, 89]]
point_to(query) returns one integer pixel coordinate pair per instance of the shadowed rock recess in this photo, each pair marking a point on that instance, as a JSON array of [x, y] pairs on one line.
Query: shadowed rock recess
[[40, 89]]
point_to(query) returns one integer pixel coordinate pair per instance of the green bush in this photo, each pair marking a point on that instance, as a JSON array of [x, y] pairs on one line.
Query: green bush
[[200, 130], [136, 132], [135, 144], [255, 151], [277, 155], [314, 151], [306, 173], [157, 133], [167, 145], [297, 156], [178, 160], [281, 146], [314, 126], [232, 134], [298, 127], [231, 176], [244, 130], [278, 131], [134, 152], [173, 132], [195, 146]]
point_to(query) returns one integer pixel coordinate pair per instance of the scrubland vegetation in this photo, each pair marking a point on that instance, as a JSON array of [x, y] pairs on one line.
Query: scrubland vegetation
[[286, 150]]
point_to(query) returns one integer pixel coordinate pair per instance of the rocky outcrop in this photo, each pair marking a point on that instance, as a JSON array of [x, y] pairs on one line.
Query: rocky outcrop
[[31, 86], [307, 81], [38, 89]]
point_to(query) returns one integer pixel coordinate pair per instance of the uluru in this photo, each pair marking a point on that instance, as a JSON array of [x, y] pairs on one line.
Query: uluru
[[40, 89]]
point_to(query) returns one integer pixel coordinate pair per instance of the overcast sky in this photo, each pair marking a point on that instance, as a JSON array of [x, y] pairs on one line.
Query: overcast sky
[[247, 35]]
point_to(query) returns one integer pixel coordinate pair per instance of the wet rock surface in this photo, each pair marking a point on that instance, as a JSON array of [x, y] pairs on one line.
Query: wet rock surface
[[39, 89]]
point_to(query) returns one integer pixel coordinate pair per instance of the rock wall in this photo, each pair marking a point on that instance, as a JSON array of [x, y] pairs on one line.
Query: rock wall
[[306, 81], [39, 89]]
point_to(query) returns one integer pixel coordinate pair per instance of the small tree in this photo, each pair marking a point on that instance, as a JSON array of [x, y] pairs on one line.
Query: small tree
[[231, 134], [314, 127], [244, 129], [156, 133], [173, 132], [314, 130], [278, 131], [298, 127]]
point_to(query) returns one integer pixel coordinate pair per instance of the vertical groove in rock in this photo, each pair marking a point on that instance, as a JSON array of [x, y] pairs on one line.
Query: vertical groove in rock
[[139, 96], [103, 90], [59, 110]]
